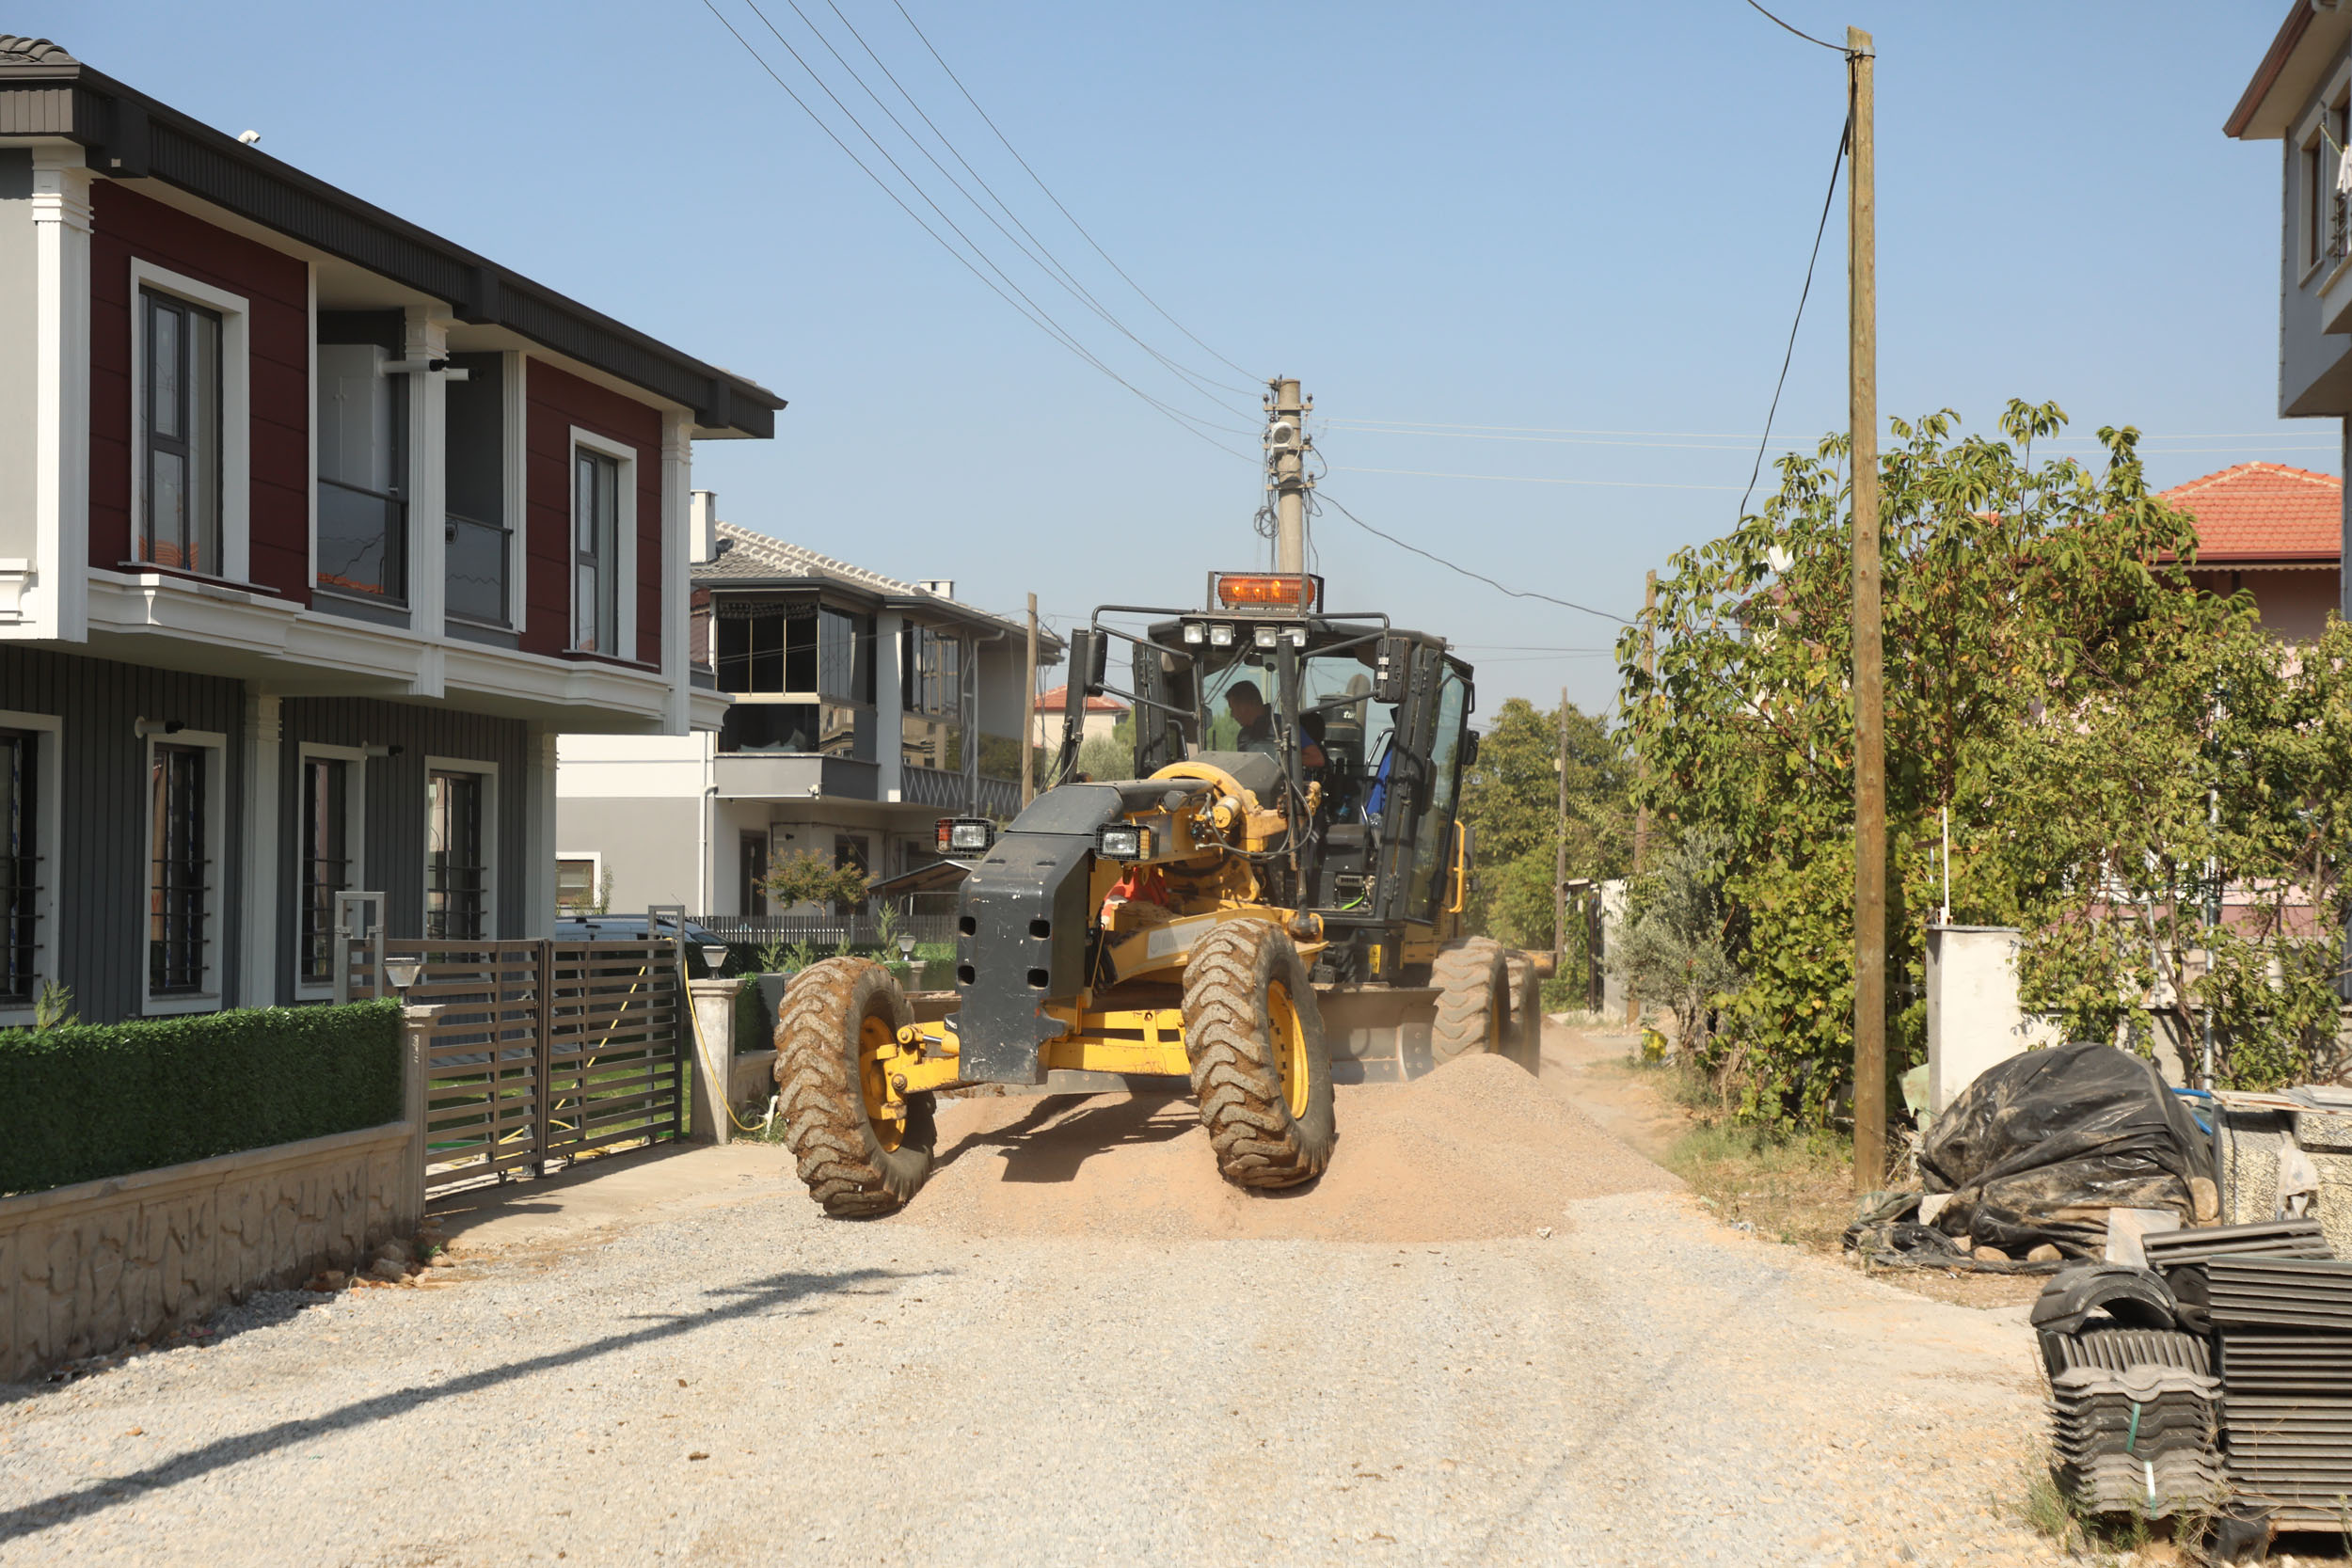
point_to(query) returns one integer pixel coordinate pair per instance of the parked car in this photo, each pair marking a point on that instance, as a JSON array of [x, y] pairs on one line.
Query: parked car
[[631, 927]]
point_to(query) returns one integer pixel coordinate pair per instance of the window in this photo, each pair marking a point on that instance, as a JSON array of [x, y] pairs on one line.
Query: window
[[181, 399], [930, 667], [179, 883], [456, 871], [576, 884], [596, 552], [805, 674], [20, 867], [1432, 850], [478, 543], [329, 859]]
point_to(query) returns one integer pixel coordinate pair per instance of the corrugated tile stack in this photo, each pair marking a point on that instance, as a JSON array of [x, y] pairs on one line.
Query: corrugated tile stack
[[2284, 1326], [2133, 1419]]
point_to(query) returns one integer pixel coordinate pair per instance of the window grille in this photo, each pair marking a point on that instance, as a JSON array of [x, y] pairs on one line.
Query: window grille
[[456, 879], [325, 860], [178, 893], [20, 867]]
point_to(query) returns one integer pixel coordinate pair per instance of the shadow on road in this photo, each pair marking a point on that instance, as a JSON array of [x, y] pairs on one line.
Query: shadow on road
[[752, 1299], [1064, 1131]]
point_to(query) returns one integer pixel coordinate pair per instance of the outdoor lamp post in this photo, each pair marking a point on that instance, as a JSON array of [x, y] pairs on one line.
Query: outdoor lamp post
[[714, 955], [906, 946], [400, 974]]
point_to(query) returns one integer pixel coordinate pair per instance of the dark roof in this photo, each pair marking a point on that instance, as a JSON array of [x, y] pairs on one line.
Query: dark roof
[[45, 91], [750, 560]]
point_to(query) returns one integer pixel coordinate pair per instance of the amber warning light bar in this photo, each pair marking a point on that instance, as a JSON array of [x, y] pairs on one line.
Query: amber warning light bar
[[1295, 592]]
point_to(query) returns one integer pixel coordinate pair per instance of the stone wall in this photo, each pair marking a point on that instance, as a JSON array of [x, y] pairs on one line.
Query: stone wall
[[88, 1267]]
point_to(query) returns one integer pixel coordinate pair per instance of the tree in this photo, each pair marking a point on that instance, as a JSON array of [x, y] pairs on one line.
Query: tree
[[807, 878], [1511, 801], [1680, 932], [2093, 723], [1111, 755]]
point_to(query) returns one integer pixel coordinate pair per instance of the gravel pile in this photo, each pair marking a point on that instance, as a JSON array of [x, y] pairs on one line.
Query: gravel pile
[[1475, 1149]]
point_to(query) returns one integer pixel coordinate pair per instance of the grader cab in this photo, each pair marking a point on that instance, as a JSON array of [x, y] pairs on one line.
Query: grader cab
[[1271, 904]]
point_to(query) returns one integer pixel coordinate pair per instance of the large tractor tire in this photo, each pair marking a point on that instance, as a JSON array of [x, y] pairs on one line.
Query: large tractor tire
[[1473, 1000], [1526, 1045], [1261, 1073], [831, 1090]]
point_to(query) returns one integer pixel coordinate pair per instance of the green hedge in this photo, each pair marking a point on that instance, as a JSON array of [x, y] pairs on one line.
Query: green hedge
[[95, 1099]]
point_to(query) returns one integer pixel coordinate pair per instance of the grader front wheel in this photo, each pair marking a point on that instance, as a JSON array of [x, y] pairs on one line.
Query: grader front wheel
[[1260, 1070], [833, 1090], [1473, 1000]]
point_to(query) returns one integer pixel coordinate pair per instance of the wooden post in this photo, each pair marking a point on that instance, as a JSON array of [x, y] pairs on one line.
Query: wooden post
[[541, 1061], [1560, 852], [1028, 718], [1640, 813], [1869, 779]]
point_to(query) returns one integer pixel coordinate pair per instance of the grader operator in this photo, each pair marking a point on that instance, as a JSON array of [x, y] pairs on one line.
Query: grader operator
[[1273, 902]]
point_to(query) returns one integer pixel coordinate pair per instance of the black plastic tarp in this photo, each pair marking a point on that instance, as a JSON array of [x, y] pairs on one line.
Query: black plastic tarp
[[2041, 1146]]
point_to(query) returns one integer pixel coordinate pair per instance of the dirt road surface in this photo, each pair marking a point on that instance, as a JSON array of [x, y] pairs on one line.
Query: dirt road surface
[[1075, 1347]]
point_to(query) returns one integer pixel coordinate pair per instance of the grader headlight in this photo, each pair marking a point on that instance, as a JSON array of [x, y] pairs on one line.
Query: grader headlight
[[1124, 841]]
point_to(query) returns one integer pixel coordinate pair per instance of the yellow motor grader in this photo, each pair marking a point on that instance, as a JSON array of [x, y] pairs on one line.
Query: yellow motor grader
[[1272, 904]]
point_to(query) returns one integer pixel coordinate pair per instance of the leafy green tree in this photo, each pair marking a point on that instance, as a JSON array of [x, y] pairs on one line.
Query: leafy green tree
[[1681, 930], [1111, 755], [2094, 725], [1511, 799], [808, 877]]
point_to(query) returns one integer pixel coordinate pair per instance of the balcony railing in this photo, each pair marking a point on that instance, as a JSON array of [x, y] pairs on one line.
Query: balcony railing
[[364, 542], [927, 786], [477, 571]]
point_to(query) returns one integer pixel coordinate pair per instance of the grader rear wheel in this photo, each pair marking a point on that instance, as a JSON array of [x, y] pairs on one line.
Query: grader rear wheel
[[1260, 1070], [1473, 1000], [833, 1090]]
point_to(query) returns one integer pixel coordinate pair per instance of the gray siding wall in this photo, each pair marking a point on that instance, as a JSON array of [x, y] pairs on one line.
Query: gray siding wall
[[18, 283], [2315, 367], [100, 875], [648, 844], [393, 807]]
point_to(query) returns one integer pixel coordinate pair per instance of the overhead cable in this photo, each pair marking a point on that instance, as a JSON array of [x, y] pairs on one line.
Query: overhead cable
[[1185, 421], [1056, 200], [1845, 135], [1530, 479], [1807, 36], [1464, 571]]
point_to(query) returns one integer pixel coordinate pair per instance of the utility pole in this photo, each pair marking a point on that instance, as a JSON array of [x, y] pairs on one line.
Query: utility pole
[[1640, 813], [1030, 734], [1286, 448], [1869, 694], [1560, 852]]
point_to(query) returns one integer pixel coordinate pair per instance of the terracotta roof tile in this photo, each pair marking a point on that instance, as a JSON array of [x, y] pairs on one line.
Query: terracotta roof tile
[[2263, 512], [1058, 697]]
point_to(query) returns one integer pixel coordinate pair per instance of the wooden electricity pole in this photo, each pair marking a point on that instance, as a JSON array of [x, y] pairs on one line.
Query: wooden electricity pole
[[1640, 813], [1028, 721], [1560, 851], [1869, 694]]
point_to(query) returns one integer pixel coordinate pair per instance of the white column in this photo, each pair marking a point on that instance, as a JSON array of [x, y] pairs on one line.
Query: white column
[[263, 900], [539, 847], [677, 482], [58, 598], [426, 337], [889, 717], [713, 1035]]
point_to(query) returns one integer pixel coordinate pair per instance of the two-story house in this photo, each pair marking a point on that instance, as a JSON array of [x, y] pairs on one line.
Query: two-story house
[[316, 529], [2301, 98], [864, 708]]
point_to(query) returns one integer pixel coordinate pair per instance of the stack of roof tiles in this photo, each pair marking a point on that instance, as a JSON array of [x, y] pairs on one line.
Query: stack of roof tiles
[[2284, 1324], [2134, 1418]]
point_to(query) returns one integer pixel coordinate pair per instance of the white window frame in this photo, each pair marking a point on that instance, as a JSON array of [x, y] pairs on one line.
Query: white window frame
[[236, 417], [355, 835], [2308, 133], [214, 744], [48, 808], [488, 773], [595, 871], [624, 542]]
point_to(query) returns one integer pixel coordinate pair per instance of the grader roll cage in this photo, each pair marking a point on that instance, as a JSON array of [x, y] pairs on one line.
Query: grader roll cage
[[1272, 904]]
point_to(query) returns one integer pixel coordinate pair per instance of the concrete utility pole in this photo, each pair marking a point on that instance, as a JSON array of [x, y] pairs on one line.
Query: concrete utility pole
[[1640, 814], [1869, 693], [1028, 724], [1286, 448], [1560, 852]]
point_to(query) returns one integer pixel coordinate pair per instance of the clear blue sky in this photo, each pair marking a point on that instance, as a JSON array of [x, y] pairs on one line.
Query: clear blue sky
[[1572, 217]]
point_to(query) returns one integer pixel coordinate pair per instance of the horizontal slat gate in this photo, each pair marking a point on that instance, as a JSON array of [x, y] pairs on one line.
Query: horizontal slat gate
[[543, 1051]]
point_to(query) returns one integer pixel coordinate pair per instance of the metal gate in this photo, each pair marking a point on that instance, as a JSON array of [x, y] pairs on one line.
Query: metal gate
[[543, 1051]]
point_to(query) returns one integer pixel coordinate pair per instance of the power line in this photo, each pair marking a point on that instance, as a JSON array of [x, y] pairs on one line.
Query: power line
[[1043, 258], [1038, 319], [1431, 427], [1528, 479], [1056, 200], [1464, 571], [2147, 445], [1807, 36], [1845, 135]]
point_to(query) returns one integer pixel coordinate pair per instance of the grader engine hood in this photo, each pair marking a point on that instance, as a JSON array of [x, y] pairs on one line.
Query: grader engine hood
[[1022, 932]]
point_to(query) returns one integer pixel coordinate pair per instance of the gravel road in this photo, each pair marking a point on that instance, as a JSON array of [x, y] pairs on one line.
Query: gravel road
[[742, 1381]]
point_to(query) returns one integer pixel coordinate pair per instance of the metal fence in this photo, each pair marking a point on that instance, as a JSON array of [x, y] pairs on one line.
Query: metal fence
[[542, 1051], [822, 934]]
